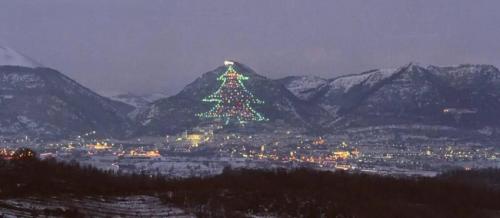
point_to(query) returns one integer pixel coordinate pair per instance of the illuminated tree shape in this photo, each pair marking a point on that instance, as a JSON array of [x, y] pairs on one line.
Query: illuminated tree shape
[[233, 100]]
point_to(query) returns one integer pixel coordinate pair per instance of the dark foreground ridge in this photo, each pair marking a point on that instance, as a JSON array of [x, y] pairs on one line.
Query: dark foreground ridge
[[242, 192]]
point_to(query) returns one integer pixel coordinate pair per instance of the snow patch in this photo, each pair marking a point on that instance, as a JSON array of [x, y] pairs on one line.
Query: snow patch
[[138, 101], [10, 57], [370, 78], [304, 87], [152, 113], [98, 206], [27, 122], [20, 80]]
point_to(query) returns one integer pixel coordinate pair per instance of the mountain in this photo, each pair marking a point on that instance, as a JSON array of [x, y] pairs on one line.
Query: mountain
[[177, 113], [347, 92], [460, 101], [409, 102], [465, 96], [139, 102], [136, 100], [456, 102], [10, 57], [305, 88], [42, 102]]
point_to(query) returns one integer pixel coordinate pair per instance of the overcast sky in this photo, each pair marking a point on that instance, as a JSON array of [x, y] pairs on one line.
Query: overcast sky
[[148, 46]]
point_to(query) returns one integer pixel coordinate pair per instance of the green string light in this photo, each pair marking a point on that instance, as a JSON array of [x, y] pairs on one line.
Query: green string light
[[232, 100]]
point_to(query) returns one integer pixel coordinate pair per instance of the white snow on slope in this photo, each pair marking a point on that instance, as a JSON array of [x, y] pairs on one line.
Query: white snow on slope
[[303, 86], [10, 57], [465, 74], [345, 83], [131, 206], [136, 100]]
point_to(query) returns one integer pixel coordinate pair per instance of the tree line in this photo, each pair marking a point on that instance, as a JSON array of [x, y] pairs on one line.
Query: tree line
[[283, 193]]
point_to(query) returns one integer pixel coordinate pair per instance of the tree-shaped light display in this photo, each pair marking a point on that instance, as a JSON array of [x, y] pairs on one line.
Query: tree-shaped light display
[[232, 100]]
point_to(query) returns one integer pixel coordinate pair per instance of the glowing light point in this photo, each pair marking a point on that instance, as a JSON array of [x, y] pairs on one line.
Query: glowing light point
[[232, 100]]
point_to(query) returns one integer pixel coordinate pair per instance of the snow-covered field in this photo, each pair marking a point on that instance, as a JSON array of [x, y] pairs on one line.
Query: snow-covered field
[[133, 206]]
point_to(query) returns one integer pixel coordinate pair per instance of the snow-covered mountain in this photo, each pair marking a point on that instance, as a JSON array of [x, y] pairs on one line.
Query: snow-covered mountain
[[177, 113], [416, 94], [139, 101], [10, 57], [462, 100], [347, 89], [42, 102], [368, 79], [465, 97], [305, 87], [458, 101]]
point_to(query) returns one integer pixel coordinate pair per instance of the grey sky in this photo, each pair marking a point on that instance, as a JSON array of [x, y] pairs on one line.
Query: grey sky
[[145, 46]]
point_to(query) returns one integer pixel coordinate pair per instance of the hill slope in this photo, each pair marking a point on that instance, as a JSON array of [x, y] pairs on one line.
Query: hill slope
[[41, 102], [461, 101], [177, 113], [30, 186]]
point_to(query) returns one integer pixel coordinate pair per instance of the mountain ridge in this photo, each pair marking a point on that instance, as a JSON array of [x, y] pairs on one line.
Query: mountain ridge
[[181, 108], [404, 97], [464, 97], [42, 102], [10, 57]]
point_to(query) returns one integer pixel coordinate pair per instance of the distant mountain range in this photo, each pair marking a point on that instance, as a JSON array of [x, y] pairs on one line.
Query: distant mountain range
[[413, 101], [460, 101]]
